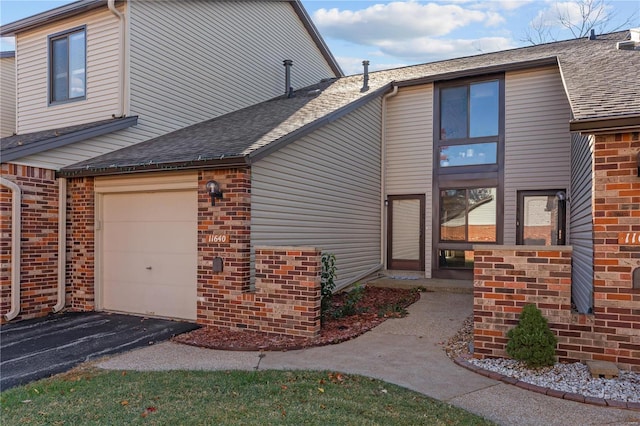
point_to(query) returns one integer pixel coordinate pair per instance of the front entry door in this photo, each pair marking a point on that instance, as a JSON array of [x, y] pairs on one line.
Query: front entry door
[[405, 238]]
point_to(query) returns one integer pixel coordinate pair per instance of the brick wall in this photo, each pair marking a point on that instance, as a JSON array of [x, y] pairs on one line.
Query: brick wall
[[231, 217], [39, 240], [286, 297], [616, 210], [508, 277], [288, 290], [80, 244]]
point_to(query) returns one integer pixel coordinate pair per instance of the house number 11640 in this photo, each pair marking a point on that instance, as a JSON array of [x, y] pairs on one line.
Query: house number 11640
[[218, 238]]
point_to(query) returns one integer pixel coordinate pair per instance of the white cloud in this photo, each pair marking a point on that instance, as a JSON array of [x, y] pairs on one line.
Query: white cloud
[[494, 19], [395, 21], [511, 4], [351, 65], [424, 49], [7, 43], [570, 13]]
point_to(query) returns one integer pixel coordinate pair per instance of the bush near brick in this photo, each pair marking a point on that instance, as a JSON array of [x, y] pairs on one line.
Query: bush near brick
[[532, 341]]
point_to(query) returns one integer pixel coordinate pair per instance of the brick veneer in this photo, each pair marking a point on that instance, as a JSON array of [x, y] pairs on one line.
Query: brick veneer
[[616, 209], [287, 293], [39, 240], [508, 277], [286, 297], [231, 216], [80, 244]]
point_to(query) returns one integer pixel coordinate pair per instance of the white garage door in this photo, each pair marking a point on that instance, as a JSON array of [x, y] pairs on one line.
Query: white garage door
[[149, 253]]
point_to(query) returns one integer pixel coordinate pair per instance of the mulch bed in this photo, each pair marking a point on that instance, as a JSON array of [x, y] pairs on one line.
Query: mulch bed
[[377, 305]]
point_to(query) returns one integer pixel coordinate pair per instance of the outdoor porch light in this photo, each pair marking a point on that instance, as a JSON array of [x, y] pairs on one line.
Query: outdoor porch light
[[214, 190], [638, 163]]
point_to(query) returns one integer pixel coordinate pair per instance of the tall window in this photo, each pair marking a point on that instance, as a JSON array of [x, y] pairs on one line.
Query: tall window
[[67, 69], [469, 152], [469, 124]]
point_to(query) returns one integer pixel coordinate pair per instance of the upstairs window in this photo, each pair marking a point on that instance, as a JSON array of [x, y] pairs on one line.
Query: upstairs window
[[67, 66], [469, 124], [469, 111]]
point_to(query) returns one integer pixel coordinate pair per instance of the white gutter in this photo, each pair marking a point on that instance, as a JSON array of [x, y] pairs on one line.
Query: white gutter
[[383, 178], [16, 233], [121, 65], [62, 243]]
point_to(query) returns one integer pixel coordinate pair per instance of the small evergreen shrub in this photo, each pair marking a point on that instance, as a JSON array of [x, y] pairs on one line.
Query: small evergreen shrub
[[327, 282], [532, 341]]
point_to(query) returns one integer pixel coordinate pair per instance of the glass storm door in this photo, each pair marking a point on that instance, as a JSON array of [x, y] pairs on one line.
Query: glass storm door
[[541, 218], [405, 238]]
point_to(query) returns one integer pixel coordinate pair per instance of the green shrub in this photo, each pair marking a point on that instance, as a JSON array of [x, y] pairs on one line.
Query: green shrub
[[350, 302], [531, 341], [327, 281]]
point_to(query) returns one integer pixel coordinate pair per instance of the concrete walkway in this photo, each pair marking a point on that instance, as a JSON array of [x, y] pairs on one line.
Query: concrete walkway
[[406, 352]]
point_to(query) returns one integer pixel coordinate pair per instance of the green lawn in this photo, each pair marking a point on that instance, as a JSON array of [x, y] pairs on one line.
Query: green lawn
[[99, 397]]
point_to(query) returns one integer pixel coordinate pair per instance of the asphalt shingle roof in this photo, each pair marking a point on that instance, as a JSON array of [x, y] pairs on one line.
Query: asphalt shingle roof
[[16, 146], [600, 80]]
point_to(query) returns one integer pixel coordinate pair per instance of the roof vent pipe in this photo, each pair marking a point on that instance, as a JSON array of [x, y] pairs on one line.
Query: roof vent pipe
[[288, 90], [365, 82], [592, 34]]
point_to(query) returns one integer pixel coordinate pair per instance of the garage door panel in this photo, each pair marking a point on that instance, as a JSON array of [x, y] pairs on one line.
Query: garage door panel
[[149, 206], [149, 253], [151, 237]]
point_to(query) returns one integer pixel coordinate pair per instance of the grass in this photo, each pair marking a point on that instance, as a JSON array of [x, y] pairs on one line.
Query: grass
[[97, 397]]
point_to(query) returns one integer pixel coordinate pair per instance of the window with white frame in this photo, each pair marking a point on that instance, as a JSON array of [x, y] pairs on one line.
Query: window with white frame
[[67, 66]]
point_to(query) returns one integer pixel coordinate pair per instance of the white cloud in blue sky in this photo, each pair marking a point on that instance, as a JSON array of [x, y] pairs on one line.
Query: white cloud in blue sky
[[398, 33]]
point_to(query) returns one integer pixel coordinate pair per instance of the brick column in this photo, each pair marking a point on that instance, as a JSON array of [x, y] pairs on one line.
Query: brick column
[[616, 195], [39, 240], [231, 217], [288, 290], [81, 244]]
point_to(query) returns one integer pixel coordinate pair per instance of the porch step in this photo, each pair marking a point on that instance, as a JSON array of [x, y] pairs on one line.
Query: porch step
[[603, 369], [428, 284]]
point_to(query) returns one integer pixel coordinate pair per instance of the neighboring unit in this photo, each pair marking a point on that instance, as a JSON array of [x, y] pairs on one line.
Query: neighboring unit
[[96, 76], [7, 93]]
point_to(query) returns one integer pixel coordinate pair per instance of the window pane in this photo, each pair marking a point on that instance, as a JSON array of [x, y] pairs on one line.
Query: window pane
[[483, 120], [468, 155], [458, 259], [453, 209], [453, 113], [59, 70], [482, 215], [77, 64]]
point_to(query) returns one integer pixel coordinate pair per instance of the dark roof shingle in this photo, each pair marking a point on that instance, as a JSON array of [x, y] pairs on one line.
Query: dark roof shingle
[[18, 146], [600, 81]]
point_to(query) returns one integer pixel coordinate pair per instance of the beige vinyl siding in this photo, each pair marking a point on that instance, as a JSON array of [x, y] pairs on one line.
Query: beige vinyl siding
[[537, 138], [323, 190], [102, 45], [200, 59], [581, 221], [191, 61], [7, 96], [409, 150]]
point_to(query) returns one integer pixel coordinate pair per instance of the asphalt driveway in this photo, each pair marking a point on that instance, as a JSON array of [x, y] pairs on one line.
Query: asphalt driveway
[[34, 349]]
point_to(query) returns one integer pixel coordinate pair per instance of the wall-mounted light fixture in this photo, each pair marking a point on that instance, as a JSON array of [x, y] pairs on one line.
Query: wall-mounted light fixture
[[214, 190], [638, 163]]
